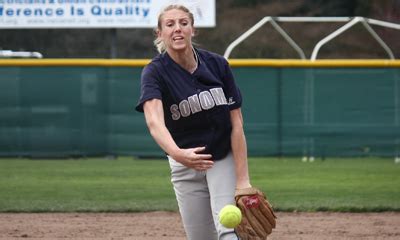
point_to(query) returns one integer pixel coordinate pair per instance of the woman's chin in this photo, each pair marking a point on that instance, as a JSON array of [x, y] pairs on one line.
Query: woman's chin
[[179, 48]]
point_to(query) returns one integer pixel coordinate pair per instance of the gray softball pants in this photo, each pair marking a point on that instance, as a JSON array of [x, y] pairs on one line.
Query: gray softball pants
[[201, 195]]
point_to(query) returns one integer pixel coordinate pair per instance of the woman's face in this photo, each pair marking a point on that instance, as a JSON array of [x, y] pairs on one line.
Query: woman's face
[[176, 30]]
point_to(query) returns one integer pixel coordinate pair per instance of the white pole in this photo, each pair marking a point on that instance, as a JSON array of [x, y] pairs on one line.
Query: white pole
[[332, 36], [245, 35]]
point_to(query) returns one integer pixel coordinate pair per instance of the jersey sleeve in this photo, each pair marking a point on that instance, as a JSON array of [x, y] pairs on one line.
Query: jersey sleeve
[[232, 91], [150, 86]]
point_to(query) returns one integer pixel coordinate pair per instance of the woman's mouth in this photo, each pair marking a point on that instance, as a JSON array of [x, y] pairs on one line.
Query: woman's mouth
[[178, 38]]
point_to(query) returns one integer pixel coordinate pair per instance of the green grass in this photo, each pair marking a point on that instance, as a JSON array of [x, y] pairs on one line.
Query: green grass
[[127, 184], [356, 185]]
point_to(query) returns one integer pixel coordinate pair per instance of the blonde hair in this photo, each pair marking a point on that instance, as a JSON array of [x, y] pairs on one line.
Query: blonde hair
[[158, 42]]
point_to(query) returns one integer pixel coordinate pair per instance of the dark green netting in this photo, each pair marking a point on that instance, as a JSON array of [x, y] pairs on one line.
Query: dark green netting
[[88, 111]]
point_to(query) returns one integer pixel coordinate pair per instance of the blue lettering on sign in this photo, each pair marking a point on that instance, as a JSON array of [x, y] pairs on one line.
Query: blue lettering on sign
[[49, 12], [27, 12], [9, 12], [96, 10], [120, 11]]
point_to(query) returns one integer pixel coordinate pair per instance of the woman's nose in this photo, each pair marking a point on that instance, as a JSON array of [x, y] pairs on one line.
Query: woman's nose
[[177, 28]]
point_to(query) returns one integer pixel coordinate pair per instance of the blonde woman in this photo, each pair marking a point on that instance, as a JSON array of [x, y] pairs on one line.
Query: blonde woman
[[192, 109]]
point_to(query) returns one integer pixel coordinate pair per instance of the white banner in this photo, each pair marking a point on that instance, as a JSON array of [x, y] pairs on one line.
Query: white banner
[[96, 13]]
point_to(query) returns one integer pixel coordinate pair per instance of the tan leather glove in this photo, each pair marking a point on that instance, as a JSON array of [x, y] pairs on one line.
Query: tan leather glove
[[258, 217]]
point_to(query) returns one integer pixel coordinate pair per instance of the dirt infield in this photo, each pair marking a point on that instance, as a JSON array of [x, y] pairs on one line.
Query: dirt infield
[[168, 226]]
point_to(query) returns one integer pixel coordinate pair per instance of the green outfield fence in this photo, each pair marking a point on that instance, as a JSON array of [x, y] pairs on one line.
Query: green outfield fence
[[71, 107]]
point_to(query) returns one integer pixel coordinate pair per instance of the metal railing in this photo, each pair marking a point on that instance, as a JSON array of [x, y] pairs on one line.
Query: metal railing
[[350, 22]]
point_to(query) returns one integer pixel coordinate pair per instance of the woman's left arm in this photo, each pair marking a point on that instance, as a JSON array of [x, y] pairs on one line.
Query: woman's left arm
[[239, 150]]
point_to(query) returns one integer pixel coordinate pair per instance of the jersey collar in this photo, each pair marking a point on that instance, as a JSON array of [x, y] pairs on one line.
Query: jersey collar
[[168, 61]]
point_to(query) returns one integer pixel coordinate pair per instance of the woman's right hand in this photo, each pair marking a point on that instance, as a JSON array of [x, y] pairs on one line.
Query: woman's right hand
[[190, 157], [193, 158]]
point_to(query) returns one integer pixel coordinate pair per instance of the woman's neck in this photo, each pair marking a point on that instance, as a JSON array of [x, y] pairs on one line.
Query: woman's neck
[[185, 59]]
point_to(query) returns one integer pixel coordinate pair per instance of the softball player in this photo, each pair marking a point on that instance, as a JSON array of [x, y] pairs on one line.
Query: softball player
[[192, 109]]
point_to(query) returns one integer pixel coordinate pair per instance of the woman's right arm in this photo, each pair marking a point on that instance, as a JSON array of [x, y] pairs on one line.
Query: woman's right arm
[[190, 157]]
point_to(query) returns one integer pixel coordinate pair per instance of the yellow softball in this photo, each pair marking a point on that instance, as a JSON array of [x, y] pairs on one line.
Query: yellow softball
[[230, 216]]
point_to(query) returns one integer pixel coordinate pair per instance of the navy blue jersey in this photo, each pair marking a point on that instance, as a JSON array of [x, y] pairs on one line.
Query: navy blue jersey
[[196, 106]]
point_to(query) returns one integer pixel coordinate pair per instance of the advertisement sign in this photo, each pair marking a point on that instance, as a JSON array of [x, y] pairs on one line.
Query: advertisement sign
[[96, 13]]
